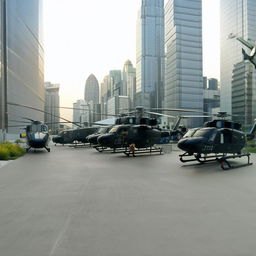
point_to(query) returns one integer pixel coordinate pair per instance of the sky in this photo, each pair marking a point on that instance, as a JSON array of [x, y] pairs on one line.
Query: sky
[[95, 36]]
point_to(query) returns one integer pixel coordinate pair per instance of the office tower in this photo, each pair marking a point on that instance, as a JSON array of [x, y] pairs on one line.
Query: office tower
[[150, 54], [52, 104], [183, 44], [22, 62], [211, 97], [237, 18], [116, 104], [91, 92], [105, 93], [244, 94], [129, 82], [213, 84], [116, 84], [81, 113]]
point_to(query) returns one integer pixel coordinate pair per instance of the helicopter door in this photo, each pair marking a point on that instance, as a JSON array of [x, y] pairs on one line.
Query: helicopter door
[[120, 140]]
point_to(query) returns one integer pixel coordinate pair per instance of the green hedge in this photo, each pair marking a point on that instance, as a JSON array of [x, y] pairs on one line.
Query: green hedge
[[10, 151]]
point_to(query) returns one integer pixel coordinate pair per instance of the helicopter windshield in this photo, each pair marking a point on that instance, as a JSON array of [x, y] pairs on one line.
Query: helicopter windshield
[[103, 130], [206, 133], [113, 130], [37, 128], [189, 133]]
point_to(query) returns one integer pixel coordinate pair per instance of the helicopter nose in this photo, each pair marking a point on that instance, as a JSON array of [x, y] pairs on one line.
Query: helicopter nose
[[190, 145], [182, 144], [103, 139], [92, 139]]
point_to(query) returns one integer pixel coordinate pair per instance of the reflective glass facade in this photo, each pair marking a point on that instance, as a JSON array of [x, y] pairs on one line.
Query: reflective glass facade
[[183, 47], [52, 103], [24, 59], [2, 66], [238, 18], [244, 94], [150, 53]]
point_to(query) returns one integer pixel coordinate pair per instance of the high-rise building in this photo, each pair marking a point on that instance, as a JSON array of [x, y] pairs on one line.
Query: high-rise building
[[91, 92], [213, 84], [211, 99], [52, 104], [150, 54], [244, 94], [183, 44], [116, 84], [22, 62], [129, 82], [105, 93], [237, 18], [81, 113], [116, 104]]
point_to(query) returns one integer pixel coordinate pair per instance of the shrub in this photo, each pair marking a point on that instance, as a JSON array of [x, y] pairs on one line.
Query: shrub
[[4, 153], [11, 151]]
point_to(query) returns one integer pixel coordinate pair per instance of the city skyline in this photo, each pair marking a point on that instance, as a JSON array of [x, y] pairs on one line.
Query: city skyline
[[78, 50]]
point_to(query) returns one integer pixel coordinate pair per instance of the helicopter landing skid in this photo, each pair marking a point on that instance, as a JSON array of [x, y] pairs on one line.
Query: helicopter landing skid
[[226, 165], [144, 151], [111, 150], [199, 158]]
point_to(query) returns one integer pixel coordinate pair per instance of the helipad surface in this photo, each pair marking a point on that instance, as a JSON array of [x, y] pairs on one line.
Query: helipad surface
[[78, 202]]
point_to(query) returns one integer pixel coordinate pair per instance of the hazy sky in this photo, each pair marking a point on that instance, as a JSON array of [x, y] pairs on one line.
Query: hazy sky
[[94, 36]]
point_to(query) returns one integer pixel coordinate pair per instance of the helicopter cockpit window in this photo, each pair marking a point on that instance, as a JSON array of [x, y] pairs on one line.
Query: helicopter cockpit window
[[113, 130], [44, 128], [131, 121], [35, 128], [102, 130], [189, 133], [220, 124], [207, 133]]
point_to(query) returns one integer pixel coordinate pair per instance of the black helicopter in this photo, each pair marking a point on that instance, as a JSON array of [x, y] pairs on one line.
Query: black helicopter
[[140, 131], [37, 135], [219, 140], [122, 136], [74, 135]]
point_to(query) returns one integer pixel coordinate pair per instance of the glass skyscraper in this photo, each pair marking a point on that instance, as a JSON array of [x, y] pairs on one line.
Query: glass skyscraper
[[150, 54], [91, 91], [238, 18], [183, 46], [52, 104], [23, 61]]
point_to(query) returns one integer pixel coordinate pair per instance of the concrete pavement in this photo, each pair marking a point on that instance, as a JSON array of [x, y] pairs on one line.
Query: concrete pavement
[[84, 203]]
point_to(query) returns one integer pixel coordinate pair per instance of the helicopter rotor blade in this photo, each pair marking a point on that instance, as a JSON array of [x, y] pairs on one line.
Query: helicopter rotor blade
[[19, 121], [42, 111], [175, 110], [159, 114], [195, 116]]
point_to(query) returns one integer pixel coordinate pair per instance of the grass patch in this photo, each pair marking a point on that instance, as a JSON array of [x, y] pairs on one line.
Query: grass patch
[[250, 147], [9, 151]]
